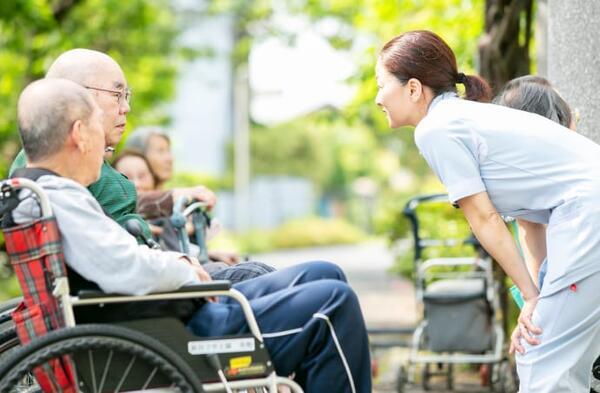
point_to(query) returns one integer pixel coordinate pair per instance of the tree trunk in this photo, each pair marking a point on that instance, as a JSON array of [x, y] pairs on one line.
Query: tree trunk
[[504, 47]]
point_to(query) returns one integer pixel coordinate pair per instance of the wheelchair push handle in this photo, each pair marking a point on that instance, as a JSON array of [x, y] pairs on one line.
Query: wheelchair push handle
[[9, 198], [410, 212], [411, 206], [185, 207], [134, 228]]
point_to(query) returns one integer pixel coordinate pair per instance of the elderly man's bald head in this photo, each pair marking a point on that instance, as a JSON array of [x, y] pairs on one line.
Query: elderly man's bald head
[[105, 79], [82, 66], [47, 110]]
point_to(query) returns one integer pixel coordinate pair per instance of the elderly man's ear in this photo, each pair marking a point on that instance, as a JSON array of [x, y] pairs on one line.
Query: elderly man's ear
[[79, 137]]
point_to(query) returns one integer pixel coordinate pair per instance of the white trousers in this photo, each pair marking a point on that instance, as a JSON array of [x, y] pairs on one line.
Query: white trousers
[[570, 341]]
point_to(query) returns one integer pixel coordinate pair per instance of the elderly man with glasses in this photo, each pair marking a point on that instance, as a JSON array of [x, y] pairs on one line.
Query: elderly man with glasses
[[104, 79]]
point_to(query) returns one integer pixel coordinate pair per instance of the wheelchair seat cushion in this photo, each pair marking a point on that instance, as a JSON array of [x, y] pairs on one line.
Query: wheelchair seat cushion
[[455, 290]]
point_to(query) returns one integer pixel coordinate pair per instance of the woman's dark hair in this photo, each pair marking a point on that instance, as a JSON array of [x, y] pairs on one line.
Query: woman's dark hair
[[425, 56], [135, 153], [536, 95]]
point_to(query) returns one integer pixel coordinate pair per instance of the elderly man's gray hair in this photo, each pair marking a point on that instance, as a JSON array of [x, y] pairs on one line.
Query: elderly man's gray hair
[[47, 110]]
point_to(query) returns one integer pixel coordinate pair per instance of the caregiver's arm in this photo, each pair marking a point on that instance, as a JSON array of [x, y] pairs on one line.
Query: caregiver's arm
[[490, 230], [532, 237]]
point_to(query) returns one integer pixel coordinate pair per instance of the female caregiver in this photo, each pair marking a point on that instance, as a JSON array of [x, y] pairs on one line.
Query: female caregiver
[[498, 161]]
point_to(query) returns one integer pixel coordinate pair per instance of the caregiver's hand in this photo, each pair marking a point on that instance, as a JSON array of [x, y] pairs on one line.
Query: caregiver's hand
[[525, 328]]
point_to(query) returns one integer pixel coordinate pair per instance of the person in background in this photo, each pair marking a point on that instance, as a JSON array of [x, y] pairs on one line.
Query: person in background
[[535, 94], [105, 80], [223, 265]]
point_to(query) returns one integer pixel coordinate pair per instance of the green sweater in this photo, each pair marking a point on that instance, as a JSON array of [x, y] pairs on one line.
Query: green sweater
[[115, 193]]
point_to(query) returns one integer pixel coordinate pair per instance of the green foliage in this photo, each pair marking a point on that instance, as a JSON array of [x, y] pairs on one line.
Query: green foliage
[[191, 179], [439, 221], [9, 286], [139, 34], [316, 232], [305, 232], [320, 146]]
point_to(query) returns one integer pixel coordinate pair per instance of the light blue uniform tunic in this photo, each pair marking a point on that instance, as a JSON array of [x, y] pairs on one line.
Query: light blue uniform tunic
[[532, 168], [536, 170]]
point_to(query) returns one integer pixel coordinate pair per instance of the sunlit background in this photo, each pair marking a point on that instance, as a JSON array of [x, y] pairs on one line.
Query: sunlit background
[[270, 103]]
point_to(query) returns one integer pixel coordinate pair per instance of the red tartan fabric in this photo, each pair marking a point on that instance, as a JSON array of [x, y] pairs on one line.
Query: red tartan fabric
[[35, 252]]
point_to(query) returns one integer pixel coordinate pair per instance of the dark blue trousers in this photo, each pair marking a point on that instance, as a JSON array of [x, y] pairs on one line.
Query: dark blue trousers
[[311, 322]]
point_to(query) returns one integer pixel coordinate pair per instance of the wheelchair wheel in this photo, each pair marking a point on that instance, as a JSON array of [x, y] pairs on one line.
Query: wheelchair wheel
[[503, 378], [105, 358], [401, 379], [9, 305], [8, 340]]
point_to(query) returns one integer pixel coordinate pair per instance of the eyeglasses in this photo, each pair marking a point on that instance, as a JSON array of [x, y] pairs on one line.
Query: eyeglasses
[[120, 94]]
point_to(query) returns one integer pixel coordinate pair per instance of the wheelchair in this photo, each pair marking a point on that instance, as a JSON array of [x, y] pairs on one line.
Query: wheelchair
[[58, 351], [460, 301]]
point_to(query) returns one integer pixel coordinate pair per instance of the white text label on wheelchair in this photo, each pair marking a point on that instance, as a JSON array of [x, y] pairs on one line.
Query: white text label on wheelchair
[[221, 346]]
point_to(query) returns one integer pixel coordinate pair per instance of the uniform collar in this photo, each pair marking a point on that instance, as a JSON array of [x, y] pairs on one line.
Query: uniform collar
[[440, 98]]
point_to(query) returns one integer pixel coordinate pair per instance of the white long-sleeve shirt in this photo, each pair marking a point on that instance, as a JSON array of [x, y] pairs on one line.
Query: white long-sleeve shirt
[[100, 250]]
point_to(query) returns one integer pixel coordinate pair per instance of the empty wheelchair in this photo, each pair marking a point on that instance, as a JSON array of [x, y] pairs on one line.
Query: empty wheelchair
[[461, 311], [62, 349]]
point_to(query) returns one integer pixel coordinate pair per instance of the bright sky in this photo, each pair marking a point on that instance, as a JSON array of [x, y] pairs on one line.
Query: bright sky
[[290, 81]]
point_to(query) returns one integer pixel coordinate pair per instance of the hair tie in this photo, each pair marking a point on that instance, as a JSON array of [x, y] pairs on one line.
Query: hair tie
[[461, 78]]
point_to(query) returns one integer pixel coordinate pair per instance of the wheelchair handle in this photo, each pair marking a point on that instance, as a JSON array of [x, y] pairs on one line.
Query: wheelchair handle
[[411, 206], [134, 227], [183, 208], [11, 185]]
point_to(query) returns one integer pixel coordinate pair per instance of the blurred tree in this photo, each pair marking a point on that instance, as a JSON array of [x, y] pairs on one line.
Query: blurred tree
[[319, 146], [361, 26], [504, 48], [139, 34]]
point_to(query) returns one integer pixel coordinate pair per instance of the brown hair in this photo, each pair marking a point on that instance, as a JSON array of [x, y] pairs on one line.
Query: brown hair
[[425, 56], [135, 153]]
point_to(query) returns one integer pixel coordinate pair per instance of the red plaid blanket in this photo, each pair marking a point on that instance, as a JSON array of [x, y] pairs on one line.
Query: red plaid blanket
[[35, 252]]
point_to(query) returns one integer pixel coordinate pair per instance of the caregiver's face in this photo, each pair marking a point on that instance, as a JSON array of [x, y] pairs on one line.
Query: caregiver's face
[[393, 97]]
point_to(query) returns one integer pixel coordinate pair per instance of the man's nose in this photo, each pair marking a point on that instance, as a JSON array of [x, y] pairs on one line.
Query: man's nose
[[124, 107]]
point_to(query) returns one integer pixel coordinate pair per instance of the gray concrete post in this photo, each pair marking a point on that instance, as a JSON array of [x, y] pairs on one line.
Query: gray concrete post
[[574, 58]]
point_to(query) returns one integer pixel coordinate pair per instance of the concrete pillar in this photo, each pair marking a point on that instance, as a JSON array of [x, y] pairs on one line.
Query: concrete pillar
[[574, 58]]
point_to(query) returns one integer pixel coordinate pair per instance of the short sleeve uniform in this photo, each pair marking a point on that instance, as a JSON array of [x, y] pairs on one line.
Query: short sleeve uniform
[[532, 168]]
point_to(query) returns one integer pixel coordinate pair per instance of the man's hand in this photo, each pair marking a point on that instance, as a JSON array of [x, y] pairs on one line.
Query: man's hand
[[525, 328], [228, 257], [200, 193], [202, 274]]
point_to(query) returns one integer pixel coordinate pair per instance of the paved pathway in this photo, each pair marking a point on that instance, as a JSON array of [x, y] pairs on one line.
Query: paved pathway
[[387, 300]]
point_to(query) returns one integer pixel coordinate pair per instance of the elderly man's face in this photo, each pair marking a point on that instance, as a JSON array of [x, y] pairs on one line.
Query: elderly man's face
[[109, 89], [95, 142]]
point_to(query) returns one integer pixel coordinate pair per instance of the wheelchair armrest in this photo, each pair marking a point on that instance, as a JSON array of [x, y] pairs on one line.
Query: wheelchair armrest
[[221, 285]]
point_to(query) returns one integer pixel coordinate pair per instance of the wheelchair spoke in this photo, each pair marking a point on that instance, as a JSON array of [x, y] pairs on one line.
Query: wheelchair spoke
[[149, 378], [127, 370], [105, 372], [92, 370]]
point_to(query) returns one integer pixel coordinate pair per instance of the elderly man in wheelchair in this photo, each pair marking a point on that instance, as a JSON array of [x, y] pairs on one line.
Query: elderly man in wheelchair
[[115, 315]]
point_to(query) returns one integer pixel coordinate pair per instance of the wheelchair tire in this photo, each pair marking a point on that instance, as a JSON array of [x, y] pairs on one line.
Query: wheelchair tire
[[8, 339], [9, 305], [100, 340]]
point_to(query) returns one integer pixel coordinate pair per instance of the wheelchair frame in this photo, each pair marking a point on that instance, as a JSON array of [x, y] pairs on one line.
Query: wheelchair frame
[[495, 355], [67, 302]]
